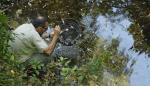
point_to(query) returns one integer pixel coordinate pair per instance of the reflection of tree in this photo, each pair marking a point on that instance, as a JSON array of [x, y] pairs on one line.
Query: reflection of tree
[[139, 11], [54, 9]]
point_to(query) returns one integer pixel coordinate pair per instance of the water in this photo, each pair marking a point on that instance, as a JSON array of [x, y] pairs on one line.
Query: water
[[109, 28]]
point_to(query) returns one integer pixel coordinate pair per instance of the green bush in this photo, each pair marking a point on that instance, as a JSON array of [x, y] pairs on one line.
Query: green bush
[[8, 69], [4, 36]]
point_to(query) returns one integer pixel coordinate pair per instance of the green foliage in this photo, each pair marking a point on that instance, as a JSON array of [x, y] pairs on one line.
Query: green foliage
[[95, 57], [5, 35], [112, 61], [89, 73], [8, 73], [88, 44]]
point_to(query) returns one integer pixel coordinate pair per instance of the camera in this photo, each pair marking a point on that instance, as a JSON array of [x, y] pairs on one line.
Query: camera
[[70, 32]]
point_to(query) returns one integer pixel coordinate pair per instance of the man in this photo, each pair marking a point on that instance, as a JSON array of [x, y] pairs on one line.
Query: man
[[27, 40]]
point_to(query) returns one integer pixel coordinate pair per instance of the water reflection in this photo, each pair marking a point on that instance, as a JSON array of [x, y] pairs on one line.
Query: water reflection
[[108, 29]]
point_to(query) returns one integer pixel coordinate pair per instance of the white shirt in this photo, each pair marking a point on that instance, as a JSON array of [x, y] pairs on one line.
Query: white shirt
[[26, 42]]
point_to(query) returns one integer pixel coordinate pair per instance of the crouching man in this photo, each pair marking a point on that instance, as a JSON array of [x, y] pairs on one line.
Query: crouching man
[[28, 44]]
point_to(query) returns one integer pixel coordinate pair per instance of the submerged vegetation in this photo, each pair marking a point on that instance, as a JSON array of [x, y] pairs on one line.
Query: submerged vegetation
[[100, 63]]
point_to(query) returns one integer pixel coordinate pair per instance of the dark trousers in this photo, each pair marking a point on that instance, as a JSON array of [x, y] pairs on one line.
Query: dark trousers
[[69, 52]]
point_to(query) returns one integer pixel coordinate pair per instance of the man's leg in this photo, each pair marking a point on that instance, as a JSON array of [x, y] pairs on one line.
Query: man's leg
[[70, 52], [40, 58]]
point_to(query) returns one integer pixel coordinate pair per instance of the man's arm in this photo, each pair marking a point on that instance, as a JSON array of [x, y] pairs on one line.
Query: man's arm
[[52, 44]]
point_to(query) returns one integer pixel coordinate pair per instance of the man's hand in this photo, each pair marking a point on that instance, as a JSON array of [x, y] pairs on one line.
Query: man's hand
[[52, 44], [57, 30]]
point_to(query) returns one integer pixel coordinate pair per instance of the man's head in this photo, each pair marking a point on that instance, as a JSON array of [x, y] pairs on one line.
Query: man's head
[[40, 23]]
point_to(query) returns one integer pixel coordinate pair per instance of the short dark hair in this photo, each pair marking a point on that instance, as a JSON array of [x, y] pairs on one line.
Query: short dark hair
[[39, 21]]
